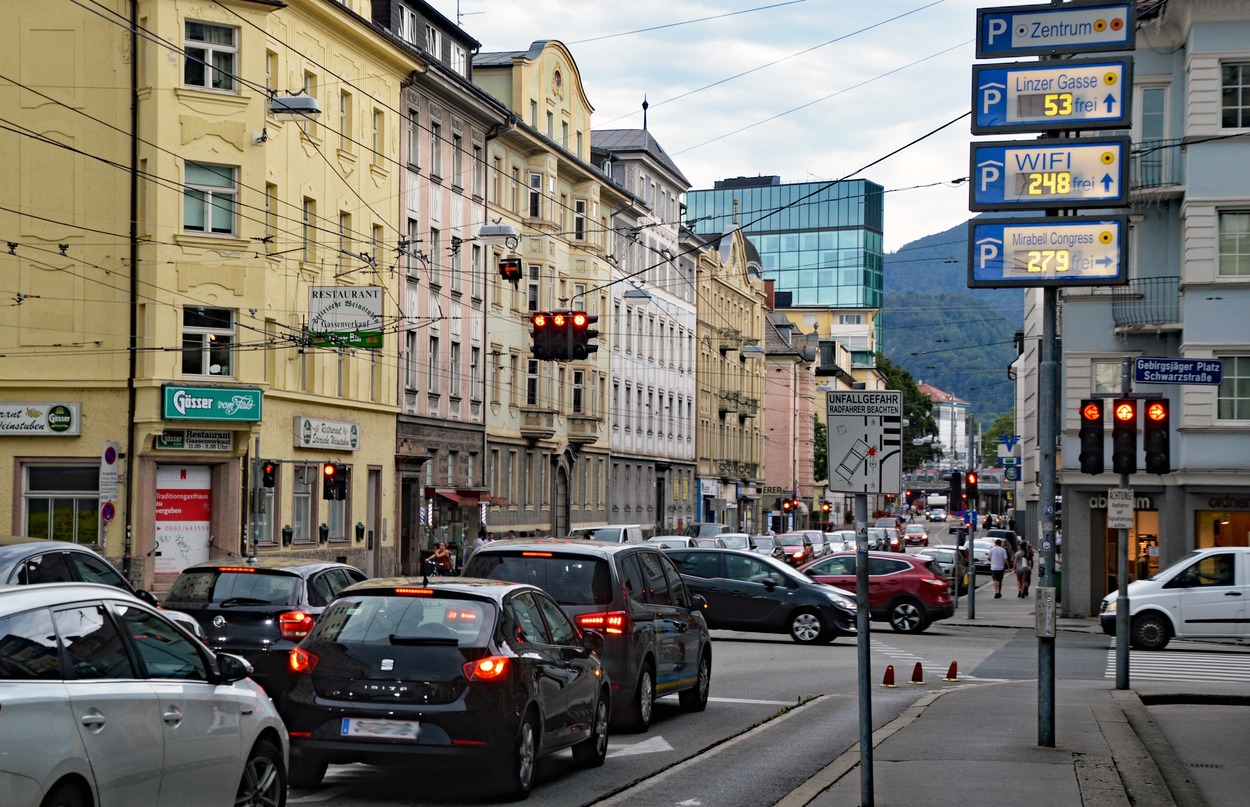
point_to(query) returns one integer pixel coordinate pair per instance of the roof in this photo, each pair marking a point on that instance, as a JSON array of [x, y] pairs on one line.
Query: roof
[[268, 563], [635, 140], [940, 396]]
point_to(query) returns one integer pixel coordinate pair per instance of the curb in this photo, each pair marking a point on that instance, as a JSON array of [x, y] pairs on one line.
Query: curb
[[1183, 789]]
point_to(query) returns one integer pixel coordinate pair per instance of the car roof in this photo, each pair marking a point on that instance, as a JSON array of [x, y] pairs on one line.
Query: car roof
[[495, 590], [13, 598], [303, 567], [12, 546], [573, 545]]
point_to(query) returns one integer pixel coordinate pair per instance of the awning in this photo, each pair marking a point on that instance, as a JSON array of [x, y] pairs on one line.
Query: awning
[[449, 495]]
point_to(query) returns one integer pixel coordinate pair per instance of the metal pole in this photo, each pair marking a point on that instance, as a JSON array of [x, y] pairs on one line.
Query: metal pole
[[254, 481], [865, 672], [1121, 598], [1047, 432]]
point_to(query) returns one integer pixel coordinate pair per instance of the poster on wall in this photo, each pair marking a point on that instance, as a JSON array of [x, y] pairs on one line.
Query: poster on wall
[[183, 496]]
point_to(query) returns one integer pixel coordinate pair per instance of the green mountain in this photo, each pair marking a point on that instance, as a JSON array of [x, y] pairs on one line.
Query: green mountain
[[960, 340]]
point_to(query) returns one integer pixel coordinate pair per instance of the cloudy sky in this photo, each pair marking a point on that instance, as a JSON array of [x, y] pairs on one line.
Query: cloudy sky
[[803, 89]]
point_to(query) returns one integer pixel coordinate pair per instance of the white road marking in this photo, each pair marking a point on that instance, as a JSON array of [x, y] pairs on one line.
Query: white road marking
[[752, 700], [651, 745], [323, 795]]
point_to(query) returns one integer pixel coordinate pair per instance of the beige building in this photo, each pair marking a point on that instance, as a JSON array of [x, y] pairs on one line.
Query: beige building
[[729, 442], [790, 428], [252, 306]]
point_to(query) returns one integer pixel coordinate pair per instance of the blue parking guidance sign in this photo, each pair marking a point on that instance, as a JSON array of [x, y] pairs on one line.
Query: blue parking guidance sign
[[1037, 30]]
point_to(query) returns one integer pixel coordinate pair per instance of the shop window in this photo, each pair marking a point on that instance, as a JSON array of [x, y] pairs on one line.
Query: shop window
[[302, 502], [61, 502]]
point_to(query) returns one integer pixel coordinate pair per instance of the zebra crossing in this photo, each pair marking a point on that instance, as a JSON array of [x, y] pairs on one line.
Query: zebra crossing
[[1183, 665]]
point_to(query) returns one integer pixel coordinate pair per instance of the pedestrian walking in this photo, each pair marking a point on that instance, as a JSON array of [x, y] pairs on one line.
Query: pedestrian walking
[[998, 566], [1024, 571]]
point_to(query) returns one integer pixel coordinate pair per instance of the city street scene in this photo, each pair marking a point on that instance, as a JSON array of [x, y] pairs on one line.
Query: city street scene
[[718, 404]]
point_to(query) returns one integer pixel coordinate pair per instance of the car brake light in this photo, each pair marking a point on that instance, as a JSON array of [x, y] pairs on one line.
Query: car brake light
[[940, 583], [295, 624], [615, 623], [236, 570], [491, 668], [414, 592], [535, 554], [302, 662]]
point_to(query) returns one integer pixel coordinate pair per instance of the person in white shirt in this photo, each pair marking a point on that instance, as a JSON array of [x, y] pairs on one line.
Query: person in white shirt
[[998, 566]]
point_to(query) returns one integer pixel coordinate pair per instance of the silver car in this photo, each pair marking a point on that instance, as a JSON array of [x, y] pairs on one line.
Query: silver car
[[106, 703]]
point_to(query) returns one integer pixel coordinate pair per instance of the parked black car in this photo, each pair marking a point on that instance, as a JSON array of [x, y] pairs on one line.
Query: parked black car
[[260, 609], [30, 561], [445, 672], [656, 641], [750, 592]]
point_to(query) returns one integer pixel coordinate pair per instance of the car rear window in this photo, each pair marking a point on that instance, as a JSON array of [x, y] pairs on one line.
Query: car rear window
[[205, 586], [569, 579], [399, 619]]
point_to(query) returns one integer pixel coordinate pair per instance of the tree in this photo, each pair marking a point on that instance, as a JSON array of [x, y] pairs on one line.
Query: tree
[[1004, 425], [917, 414], [820, 459]]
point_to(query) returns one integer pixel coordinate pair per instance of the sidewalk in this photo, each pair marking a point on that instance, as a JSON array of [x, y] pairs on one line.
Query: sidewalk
[[975, 744]]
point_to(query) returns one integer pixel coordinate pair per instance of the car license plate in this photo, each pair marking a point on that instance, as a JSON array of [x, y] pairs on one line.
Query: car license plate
[[381, 729]]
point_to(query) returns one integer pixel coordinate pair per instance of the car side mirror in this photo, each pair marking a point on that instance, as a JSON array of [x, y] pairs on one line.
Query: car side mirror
[[770, 583], [147, 597], [592, 640], [232, 668], [698, 602]]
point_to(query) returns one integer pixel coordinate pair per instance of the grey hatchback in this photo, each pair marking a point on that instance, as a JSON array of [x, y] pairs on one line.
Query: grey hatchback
[[656, 641]]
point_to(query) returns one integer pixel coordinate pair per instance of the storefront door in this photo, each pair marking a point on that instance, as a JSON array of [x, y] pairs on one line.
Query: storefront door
[[183, 509]]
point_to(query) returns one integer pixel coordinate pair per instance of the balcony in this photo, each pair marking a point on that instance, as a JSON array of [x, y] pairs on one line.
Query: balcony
[[538, 424], [584, 429], [729, 401], [748, 407], [1157, 169], [1146, 302]]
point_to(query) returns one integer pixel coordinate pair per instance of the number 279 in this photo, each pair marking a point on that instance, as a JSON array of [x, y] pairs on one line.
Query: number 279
[[1040, 260]]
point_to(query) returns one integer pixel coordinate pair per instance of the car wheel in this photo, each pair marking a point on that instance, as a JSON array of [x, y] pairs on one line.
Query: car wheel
[[639, 716], [695, 698], [1150, 632], [806, 627], [907, 616], [594, 750], [264, 780], [519, 773], [305, 772], [64, 795]]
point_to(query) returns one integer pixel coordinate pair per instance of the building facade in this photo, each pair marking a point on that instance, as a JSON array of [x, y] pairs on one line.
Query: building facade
[[652, 477], [790, 424], [953, 415]]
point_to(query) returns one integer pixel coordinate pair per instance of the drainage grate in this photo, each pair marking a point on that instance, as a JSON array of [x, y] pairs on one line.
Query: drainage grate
[[1205, 765]]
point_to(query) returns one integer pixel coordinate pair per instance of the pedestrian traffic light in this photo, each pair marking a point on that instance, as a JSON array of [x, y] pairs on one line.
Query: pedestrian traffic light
[[1124, 435], [333, 482], [550, 336], [1155, 438], [580, 334], [268, 473], [510, 270], [1091, 434], [970, 487]]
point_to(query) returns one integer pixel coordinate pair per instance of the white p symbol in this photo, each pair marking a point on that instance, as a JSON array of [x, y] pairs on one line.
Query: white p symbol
[[997, 27], [989, 252]]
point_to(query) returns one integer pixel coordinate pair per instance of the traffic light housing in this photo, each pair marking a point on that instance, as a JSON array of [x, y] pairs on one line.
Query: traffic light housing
[[580, 334], [787, 505], [1124, 436], [1156, 440], [550, 335], [970, 487], [825, 508], [333, 482], [510, 270], [1091, 434], [268, 473], [957, 487]]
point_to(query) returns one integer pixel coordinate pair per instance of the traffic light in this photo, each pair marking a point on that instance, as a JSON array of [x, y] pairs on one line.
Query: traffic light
[[510, 270], [268, 473], [957, 487], [580, 334], [970, 487], [333, 482], [787, 505], [1155, 438], [1124, 436], [550, 339], [825, 508], [1091, 434]]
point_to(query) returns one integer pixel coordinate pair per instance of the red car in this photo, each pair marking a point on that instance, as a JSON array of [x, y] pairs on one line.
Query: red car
[[907, 591], [798, 547]]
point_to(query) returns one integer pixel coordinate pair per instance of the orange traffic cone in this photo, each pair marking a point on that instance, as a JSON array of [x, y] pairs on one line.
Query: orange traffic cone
[[888, 681], [917, 675], [953, 673]]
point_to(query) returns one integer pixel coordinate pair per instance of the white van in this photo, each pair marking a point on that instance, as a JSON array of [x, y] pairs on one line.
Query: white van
[[612, 533], [1204, 595]]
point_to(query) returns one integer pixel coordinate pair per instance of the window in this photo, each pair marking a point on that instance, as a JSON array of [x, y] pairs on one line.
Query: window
[[516, 190], [1235, 92], [457, 161], [308, 230], [336, 511], [579, 381], [345, 240], [579, 220], [345, 120], [310, 89], [410, 248], [496, 180], [434, 42], [479, 180], [536, 196], [164, 651], [455, 264], [435, 256], [40, 656], [1106, 376], [93, 646], [533, 113], [476, 272], [551, 126], [1234, 391], [453, 367], [211, 54], [379, 133], [209, 198], [410, 364], [407, 24], [531, 383], [432, 379], [271, 72], [475, 373], [532, 300], [436, 150], [413, 142], [207, 341], [271, 211], [1234, 243], [61, 502], [459, 60], [564, 134]]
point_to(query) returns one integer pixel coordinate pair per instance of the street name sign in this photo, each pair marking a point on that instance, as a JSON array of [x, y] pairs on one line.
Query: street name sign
[[1076, 27], [865, 441], [1049, 173], [1052, 96], [1177, 371], [1074, 251], [1120, 509]]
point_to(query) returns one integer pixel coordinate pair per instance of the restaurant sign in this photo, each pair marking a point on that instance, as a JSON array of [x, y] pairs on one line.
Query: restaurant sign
[[41, 419], [234, 404], [334, 435]]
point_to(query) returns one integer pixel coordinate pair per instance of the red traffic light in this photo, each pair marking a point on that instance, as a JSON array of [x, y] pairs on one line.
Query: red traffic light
[[1125, 410], [539, 320], [971, 478], [558, 320], [579, 319], [1092, 410], [1157, 411], [329, 469]]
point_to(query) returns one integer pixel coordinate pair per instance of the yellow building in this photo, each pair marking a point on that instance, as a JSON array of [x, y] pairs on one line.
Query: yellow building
[[144, 369], [729, 441]]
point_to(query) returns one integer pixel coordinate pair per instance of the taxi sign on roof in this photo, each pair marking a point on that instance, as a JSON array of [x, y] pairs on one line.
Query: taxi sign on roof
[[1076, 27]]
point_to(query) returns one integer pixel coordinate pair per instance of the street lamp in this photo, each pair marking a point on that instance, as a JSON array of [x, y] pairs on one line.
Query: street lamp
[[496, 233]]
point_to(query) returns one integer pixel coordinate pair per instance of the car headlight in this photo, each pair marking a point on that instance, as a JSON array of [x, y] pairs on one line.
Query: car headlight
[[1108, 607], [848, 603]]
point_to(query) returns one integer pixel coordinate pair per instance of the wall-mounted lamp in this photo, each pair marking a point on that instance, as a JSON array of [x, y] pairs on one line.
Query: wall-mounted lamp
[[636, 293], [496, 233], [753, 352], [294, 106]]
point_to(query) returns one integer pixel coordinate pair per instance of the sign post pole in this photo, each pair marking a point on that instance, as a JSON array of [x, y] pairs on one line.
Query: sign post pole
[[862, 650]]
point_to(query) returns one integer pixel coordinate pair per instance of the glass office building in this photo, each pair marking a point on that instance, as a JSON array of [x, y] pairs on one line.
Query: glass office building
[[820, 241]]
